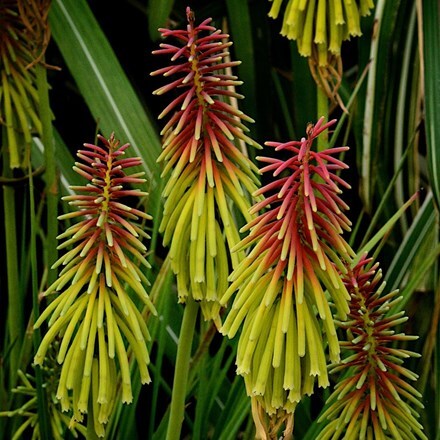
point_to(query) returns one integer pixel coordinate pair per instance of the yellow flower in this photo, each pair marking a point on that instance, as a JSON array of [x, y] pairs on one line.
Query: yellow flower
[[320, 26]]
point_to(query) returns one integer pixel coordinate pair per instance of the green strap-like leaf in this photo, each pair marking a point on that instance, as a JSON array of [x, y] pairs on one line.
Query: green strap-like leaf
[[385, 229], [241, 35], [158, 13], [431, 55], [102, 82], [417, 234], [64, 160]]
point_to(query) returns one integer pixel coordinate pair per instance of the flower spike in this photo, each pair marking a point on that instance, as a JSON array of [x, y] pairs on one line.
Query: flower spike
[[319, 26], [94, 312], [295, 250], [24, 37], [375, 400], [205, 170]]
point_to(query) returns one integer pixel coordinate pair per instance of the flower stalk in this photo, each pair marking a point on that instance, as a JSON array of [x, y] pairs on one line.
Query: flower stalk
[[181, 371], [24, 36], [40, 390], [15, 304], [50, 176]]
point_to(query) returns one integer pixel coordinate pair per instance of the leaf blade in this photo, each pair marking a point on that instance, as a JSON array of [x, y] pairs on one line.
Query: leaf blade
[[103, 83], [431, 54]]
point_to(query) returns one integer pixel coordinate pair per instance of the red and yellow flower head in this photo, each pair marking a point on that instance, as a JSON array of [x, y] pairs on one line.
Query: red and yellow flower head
[[208, 178], [375, 398], [94, 312], [284, 286]]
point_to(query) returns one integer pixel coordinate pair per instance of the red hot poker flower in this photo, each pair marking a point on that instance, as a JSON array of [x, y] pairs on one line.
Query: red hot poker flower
[[24, 36], [295, 252], [94, 312], [375, 400], [204, 168]]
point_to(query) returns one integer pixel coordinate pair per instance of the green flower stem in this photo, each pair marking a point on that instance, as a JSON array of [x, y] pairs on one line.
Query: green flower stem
[[167, 301], [181, 370], [50, 173], [42, 407], [15, 301], [323, 110], [91, 433]]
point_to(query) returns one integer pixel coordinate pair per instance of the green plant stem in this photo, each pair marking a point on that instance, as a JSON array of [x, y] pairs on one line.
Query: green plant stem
[[181, 371], [160, 351], [50, 173], [15, 321], [322, 110], [42, 407], [91, 433]]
